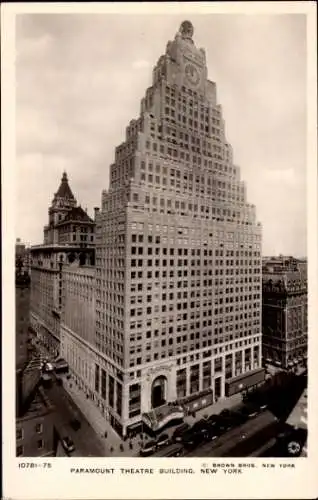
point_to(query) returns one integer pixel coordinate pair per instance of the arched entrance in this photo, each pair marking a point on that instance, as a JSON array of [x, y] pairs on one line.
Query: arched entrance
[[158, 391]]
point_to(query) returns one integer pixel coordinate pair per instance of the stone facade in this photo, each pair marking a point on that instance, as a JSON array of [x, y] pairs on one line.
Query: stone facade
[[285, 312], [69, 236], [178, 249]]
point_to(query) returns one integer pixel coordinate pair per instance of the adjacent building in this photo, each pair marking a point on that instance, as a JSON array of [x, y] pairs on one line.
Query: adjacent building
[[35, 425], [22, 254], [68, 236], [284, 315], [78, 324], [22, 316], [34, 413], [178, 253]]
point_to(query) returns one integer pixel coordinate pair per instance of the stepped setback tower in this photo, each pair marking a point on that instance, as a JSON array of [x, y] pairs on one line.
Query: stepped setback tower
[[178, 257]]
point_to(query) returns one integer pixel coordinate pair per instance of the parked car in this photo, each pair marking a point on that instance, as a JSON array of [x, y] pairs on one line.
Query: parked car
[[179, 431], [61, 366], [174, 450], [220, 423], [239, 416], [46, 380], [68, 444], [200, 431], [75, 424], [191, 440], [48, 367], [261, 405], [163, 440], [250, 410], [148, 448]]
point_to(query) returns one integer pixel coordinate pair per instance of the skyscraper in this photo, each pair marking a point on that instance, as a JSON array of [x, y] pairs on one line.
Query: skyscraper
[[178, 252]]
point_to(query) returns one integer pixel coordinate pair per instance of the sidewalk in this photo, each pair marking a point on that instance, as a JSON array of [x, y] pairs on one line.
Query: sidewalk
[[98, 422]]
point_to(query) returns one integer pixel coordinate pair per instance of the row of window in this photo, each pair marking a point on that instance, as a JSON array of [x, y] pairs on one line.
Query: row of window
[[20, 448], [38, 428]]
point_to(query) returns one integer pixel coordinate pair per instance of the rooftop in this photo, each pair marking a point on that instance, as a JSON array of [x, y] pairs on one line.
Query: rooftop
[[64, 191], [76, 214], [39, 405]]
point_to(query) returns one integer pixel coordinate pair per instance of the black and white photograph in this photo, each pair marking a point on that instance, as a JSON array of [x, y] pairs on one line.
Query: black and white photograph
[[160, 239]]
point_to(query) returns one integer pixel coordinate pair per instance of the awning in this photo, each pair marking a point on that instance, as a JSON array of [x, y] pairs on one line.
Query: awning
[[159, 417], [245, 375], [244, 381]]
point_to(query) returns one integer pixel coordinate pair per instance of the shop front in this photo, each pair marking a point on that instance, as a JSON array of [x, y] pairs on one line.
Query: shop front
[[244, 381], [160, 418]]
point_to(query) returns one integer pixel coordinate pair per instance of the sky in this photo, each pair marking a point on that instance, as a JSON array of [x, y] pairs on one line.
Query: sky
[[80, 79]]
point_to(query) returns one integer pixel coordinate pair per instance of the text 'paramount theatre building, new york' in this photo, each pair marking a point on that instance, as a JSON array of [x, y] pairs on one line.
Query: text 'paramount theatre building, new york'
[[178, 252]]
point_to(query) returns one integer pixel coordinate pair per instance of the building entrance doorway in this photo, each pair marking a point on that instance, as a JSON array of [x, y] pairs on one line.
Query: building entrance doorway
[[158, 391]]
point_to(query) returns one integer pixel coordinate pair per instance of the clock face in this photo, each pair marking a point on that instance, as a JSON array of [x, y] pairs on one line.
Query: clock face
[[192, 74]]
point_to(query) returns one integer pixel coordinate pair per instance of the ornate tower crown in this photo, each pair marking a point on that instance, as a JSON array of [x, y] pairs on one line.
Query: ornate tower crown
[[186, 30]]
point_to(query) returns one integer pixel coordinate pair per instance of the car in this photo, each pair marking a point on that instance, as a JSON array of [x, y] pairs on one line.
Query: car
[[225, 413], [221, 423], [75, 424], [262, 406], [191, 440], [163, 440], [213, 418], [68, 444], [179, 431], [238, 417], [250, 411], [148, 448], [216, 423], [174, 450], [48, 367], [200, 431]]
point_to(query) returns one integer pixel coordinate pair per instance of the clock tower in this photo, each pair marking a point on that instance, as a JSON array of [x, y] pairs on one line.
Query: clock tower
[[184, 64]]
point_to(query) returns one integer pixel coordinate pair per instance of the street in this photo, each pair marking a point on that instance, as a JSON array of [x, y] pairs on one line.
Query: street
[[87, 443]]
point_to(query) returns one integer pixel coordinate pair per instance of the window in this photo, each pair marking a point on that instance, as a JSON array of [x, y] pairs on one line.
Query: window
[[40, 444], [19, 434], [39, 428], [19, 451]]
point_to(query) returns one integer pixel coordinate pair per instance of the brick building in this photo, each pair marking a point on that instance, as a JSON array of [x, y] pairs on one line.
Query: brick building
[[35, 425], [284, 316], [78, 324], [68, 236], [22, 316]]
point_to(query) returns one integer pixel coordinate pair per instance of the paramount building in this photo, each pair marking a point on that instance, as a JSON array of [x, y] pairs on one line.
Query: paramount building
[[178, 254]]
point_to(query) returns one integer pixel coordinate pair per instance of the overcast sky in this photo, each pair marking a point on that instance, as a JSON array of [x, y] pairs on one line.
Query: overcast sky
[[80, 79]]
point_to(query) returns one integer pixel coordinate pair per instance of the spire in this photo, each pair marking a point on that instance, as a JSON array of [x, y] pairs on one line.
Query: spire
[[64, 191], [186, 30]]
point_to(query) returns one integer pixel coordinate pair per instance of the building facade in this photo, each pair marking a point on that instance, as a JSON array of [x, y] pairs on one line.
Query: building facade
[[284, 314], [78, 324], [35, 428], [178, 252], [22, 254], [22, 317], [69, 235]]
